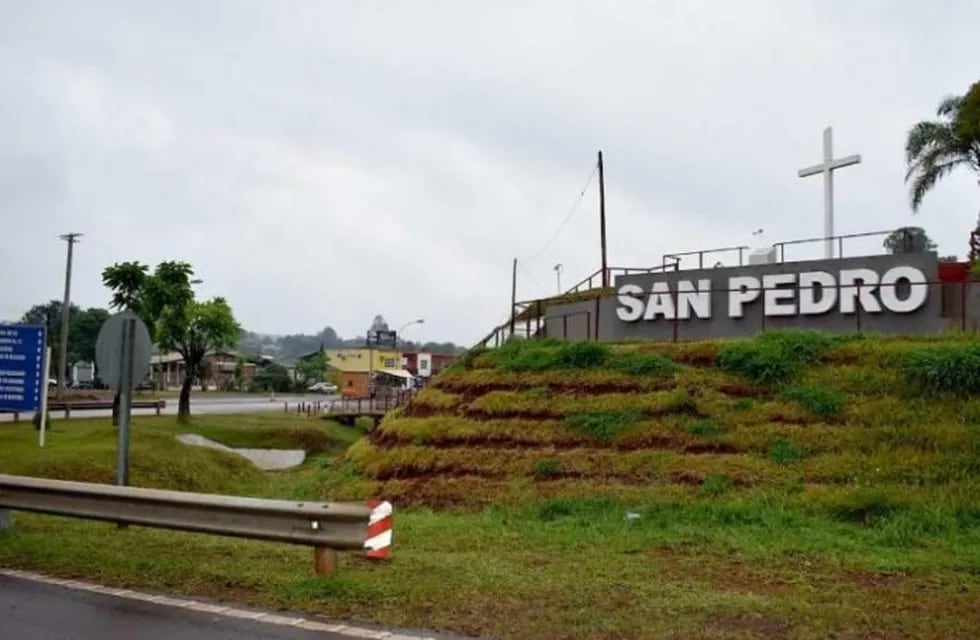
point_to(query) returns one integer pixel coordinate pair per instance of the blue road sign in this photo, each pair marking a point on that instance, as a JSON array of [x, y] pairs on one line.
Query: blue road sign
[[22, 367]]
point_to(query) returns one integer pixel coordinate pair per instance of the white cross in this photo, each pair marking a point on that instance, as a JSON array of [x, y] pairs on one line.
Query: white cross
[[827, 168]]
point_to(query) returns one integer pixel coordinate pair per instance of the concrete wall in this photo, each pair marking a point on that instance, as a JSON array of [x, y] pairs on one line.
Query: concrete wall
[[577, 321], [574, 321]]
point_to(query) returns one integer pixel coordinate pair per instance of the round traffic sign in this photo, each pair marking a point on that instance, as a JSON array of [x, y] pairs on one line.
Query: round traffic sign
[[109, 349]]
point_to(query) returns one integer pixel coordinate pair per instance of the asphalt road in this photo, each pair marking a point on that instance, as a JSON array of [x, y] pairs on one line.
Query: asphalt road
[[31, 610], [202, 404]]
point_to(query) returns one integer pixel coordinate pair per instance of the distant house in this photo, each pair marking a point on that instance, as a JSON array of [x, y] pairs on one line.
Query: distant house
[[168, 370], [425, 364]]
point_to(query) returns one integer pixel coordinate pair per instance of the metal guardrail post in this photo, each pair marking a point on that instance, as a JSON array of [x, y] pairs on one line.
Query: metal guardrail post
[[5, 519]]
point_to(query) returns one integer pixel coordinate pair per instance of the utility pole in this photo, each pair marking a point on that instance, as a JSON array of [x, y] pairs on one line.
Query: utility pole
[[71, 239], [558, 268], [602, 222], [513, 298]]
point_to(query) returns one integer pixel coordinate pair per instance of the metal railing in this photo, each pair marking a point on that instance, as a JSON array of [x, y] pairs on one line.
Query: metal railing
[[377, 406], [781, 246], [673, 260], [328, 527]]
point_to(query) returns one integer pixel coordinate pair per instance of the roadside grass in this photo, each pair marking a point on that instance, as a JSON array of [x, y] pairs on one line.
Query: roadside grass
[[755, 568], [85, 449], [839, 501]]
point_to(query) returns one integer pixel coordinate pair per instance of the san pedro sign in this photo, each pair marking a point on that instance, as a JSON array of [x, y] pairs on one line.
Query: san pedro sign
[[900, 289], [881, 294]]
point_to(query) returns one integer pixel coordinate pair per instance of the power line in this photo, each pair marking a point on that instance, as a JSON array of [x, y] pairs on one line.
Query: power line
[[532, 278], [568, 217]]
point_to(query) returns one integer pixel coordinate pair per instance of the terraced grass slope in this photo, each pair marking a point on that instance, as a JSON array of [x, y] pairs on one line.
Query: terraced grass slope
[[853, 425]]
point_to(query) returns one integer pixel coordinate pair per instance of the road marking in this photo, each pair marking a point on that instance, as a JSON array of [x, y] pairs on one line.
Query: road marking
[[217, 610]]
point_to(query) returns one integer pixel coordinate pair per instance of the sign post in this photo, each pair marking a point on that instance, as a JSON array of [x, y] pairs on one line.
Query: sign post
[[23, 381], [22, 362], [122, 352], [44, 397]]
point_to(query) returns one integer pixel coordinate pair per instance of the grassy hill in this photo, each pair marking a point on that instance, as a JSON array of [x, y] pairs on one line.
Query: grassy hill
[[853, 427]]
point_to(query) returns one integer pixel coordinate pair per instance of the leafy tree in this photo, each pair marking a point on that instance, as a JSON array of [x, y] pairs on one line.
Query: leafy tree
[[974, 252], [312, 368], [164, 300], [135, 288], [909, 240], [83, 329], [273, 377], [239, 374], [192, 329], [934, 148]]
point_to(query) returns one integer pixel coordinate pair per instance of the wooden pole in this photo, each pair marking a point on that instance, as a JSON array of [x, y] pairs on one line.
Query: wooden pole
[[513, 298], [602, 222]]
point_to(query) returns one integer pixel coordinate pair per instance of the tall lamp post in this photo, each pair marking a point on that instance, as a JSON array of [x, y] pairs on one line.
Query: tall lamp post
[[405, 326]]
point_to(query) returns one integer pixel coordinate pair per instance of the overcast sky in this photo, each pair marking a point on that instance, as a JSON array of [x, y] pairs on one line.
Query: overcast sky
[[321, 162]]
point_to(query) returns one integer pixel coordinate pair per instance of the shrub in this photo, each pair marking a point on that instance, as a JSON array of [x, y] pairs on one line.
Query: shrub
[[774, 357], [586, 509], [546, 468], [864, 506], [36, 421], [818, 400], [581, 355], [808, 346], [704, 428], [716, 485], [742, 404], [602, 426], [527, 360], [643, 364], [762, 363], [786, 452], [467, 360], [951, 368]]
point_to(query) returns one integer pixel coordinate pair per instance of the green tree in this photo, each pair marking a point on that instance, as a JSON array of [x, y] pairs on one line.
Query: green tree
[[934, 148], [238, 378], [83, 329], [312, 368], [909, 240], [147, 294], [192, 330], [164, 300], [273, 376]]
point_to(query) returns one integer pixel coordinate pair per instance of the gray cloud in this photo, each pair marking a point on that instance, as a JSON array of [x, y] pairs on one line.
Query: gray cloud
[[320, 162]]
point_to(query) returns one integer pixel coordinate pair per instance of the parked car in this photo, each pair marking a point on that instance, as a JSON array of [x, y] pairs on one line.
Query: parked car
[[323, 387]]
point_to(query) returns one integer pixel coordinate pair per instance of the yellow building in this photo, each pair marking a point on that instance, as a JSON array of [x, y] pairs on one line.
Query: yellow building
[[363, 360], [356, 367]]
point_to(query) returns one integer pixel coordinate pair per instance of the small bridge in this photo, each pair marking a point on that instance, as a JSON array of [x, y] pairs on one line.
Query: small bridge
[[347, 410]]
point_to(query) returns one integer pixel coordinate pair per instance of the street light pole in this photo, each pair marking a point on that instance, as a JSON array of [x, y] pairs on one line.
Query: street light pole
[[71, 239], [405, 326]]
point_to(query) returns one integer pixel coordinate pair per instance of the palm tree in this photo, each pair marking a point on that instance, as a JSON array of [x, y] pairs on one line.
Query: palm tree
[[934, 148]]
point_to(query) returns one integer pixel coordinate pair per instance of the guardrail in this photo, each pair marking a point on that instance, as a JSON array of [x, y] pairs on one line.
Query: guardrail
[[96, 405], [328, 527]]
